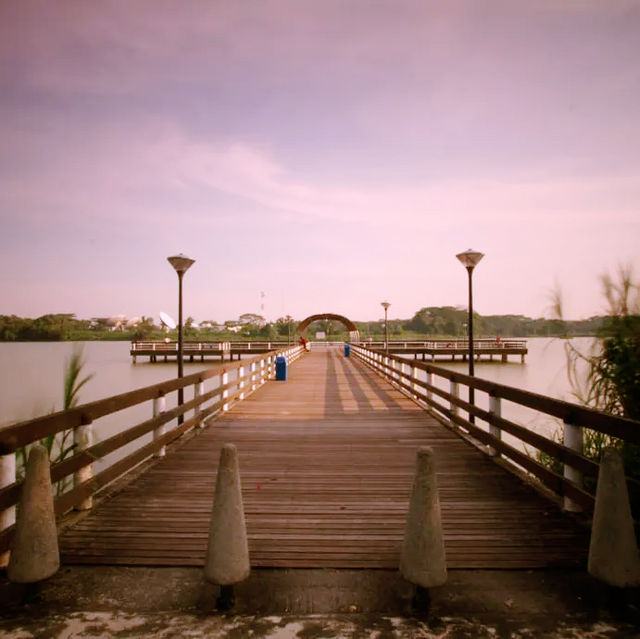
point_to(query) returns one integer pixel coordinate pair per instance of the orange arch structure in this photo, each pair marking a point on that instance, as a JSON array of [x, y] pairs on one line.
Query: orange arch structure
[[354, 334]]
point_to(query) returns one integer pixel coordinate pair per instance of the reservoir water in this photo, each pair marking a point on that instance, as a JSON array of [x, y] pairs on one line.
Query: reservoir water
[[31, 378]]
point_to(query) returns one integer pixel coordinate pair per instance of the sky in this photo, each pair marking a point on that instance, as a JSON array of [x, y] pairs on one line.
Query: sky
[[331, 155]]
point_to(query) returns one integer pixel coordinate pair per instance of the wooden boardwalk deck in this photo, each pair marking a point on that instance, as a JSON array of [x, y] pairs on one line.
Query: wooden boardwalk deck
[[327, 460]]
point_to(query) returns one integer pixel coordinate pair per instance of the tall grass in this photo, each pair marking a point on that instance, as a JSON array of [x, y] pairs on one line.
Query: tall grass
[[606, 376], [60, 445]]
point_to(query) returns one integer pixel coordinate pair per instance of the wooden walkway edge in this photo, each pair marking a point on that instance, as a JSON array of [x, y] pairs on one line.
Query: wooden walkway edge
[[327, 461]]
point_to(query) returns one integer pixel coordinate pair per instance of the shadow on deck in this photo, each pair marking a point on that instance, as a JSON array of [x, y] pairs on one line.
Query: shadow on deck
[[327, 462]]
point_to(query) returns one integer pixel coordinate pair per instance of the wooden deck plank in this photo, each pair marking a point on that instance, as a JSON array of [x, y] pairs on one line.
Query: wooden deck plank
[[327, 461]]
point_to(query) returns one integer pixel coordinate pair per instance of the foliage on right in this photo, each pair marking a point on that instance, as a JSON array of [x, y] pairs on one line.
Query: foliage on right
[[607, 376]]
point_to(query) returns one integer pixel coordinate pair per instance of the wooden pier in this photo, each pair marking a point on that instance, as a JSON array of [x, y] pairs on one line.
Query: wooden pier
[[164, 351], [327, 460], [444, 349], [502, 349]]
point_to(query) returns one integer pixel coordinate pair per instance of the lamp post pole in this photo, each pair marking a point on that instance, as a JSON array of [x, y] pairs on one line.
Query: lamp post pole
[[181, 264], [386, 305], [469, 260]]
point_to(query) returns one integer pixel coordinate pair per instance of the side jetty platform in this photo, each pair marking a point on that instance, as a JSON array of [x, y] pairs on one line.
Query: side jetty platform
[[163, 351], [451, 349], [440, 349]]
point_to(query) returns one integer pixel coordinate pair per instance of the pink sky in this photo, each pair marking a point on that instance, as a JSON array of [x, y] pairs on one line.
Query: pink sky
[[330, 154]]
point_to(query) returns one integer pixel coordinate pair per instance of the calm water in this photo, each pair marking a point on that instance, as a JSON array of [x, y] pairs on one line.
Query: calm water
[[544, 372], [32, 374], [31, 378]]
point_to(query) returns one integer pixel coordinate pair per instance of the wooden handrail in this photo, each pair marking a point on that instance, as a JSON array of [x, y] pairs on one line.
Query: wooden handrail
[[258, 369], [17, 435], [621, 427], [449, 343], [392, 367]]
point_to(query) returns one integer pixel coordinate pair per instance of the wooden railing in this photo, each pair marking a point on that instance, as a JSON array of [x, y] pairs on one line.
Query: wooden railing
[[172, 347], [195, 348], [459, 344], [249, 346], [228, 384], [404, 374]]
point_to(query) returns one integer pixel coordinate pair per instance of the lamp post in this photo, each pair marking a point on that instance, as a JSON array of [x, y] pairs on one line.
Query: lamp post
[[469, 260], [386, 305], [181, 264]]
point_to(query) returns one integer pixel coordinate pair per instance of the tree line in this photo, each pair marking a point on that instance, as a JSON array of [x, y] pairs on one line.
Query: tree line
[[441, 321]]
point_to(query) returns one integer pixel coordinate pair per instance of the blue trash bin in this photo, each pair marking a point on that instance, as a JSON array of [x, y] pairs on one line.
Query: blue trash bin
[[281, 368], [347, 350]]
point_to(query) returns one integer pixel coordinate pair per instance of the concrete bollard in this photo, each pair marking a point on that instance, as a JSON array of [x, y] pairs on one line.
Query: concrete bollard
[[422, 559], [34, 550], [227, 560], [613, 551]]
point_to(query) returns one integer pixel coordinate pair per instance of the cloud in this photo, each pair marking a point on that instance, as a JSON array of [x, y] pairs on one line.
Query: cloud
[[110, 171]]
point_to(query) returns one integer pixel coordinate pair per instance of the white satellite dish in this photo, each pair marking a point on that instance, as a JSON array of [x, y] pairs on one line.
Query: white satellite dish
[[167, 320]]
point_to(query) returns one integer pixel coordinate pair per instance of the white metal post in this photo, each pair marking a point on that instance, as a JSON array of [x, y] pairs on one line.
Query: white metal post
[[253, 376], [7, 516], [414, 385], [573, 440], [159, 407], [454, 391], [198, 391], [224, 380], [241, 382], [495, 408], [83, 439]]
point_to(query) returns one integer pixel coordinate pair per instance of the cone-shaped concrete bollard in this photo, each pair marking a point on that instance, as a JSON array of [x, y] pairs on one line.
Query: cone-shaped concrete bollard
[[227, 560], [34, 550], [422, 560], [613, 551]]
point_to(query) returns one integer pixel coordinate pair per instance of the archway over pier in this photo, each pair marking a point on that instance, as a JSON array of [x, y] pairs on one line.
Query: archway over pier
[[354, 334]]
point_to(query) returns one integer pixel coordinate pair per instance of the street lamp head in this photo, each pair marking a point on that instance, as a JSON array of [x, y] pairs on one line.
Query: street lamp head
[[181, 263], [470, 258], [385, 305]]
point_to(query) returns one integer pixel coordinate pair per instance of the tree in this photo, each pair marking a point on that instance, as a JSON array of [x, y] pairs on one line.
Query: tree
[[144, 328], [188, 326], [268, 332], [285, 326]]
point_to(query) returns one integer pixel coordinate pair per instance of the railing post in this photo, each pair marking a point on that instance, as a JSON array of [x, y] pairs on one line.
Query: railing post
[[83, 439], [414, 385], [159, 407], [198, 391], [454, 391], [224, 380], [7, 516], [253, 376], [403, 373], [495, 408], [573, 440], [241, 382], [430, 382]]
